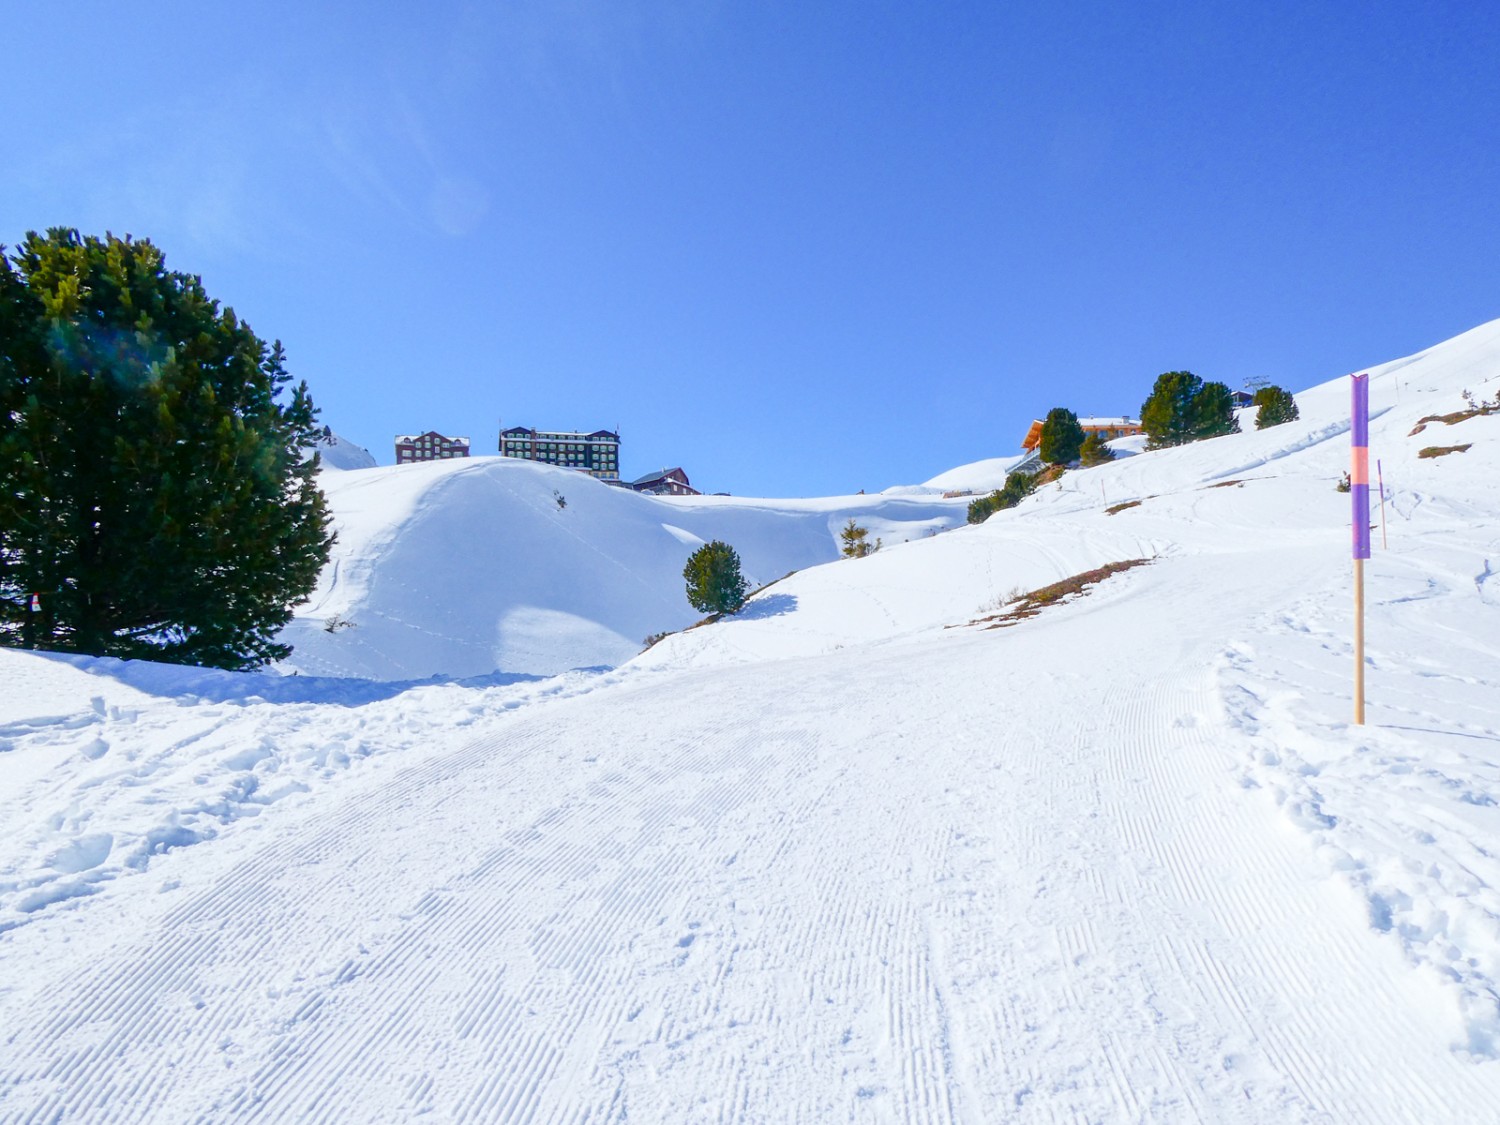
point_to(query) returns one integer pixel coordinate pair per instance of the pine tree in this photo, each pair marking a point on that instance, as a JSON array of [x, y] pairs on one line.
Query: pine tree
[[1167, 415], [1213, 412], [856, 541], [1017, 487], [1062, 437], [1276, 406], [714, 582], [154, 485], [1095, 451], [1183, 408], [982, 508]]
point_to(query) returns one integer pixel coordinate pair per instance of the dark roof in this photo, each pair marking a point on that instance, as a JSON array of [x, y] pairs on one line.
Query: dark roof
[[569, 433], [660, 474]]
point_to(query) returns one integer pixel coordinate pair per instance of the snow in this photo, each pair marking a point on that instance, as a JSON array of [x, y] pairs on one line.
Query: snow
[[978, 477], [850, 855], [465, 567], [339, 453]]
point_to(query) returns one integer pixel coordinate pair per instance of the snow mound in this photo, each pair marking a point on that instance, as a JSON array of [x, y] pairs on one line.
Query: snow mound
[[342, 454], [466, 567], [977, 477]]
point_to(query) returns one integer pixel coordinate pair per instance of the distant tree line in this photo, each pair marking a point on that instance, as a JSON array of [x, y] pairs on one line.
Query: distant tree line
[[1181, 408]]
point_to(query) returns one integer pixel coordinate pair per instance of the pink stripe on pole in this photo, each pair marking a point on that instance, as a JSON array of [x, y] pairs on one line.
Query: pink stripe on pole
[[1359, 467], [1359, 464]]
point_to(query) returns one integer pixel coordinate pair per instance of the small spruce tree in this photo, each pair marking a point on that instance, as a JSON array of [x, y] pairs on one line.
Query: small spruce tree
[[982, 508], [714, 582], [1276, 406], [1095, 451], [1062, 437], [856, 542], [1017, 487]]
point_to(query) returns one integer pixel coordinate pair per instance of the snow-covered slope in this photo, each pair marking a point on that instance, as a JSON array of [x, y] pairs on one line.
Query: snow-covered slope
[[851, 856], [462, 568], [980, 476], [342, 454]]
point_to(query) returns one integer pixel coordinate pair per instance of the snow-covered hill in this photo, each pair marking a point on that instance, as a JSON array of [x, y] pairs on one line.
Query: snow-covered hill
[[466, 567], [342, 454], [854, 855]]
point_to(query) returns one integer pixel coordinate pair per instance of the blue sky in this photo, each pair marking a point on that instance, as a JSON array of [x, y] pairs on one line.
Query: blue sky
[[797, 249]]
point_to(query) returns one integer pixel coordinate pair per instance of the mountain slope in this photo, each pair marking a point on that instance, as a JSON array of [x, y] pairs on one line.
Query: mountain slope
[[463, 568], [854, 855]]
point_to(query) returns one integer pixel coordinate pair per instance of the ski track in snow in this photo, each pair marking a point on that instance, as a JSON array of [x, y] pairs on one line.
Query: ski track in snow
[[651, 919], [829, 861]]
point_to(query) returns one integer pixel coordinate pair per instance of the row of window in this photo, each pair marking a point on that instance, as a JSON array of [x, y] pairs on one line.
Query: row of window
[[605, 447], [570, 458]]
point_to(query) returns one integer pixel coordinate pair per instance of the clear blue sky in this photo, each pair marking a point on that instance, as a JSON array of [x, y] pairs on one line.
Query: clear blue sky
[[796, 248]]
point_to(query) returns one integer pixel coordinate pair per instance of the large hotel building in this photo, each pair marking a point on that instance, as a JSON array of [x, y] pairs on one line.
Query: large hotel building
[[597, 454]]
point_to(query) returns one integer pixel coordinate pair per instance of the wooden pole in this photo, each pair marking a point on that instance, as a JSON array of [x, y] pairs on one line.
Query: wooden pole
[[1359, 642]]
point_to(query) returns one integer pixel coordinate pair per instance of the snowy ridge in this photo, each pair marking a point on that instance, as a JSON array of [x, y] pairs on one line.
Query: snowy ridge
[[852, 855], [467, 567], [342, 454]]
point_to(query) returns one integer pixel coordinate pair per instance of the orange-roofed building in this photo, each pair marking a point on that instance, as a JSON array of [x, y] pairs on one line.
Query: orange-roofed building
[[1107, 428]]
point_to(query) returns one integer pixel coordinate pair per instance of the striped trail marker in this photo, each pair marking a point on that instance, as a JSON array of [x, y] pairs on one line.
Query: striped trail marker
[[1359, 495]]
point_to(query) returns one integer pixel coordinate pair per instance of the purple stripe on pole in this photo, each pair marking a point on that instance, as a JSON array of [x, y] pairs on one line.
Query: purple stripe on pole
[[1359, 440], [1359, 415], [1361, 495]]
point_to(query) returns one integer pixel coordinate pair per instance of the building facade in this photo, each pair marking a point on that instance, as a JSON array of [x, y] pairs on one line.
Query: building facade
[[597, 453], [431, 446], [665, 482], [1107, 428]]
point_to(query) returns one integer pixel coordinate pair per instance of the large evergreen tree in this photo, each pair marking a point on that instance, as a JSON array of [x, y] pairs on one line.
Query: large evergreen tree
[[714, 582], [155, 490], [1167, 415], [1213, 412], [1183, 408], [1062, 437]]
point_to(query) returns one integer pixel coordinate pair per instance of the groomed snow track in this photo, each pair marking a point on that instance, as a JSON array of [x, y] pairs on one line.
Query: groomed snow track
[[715, 896]]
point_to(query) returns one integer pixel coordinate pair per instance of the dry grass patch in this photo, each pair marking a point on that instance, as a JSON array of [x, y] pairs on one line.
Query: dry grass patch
[[1443, 450], [1477, 408], [1115, 509], [1452, 419], [1030, 604]]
